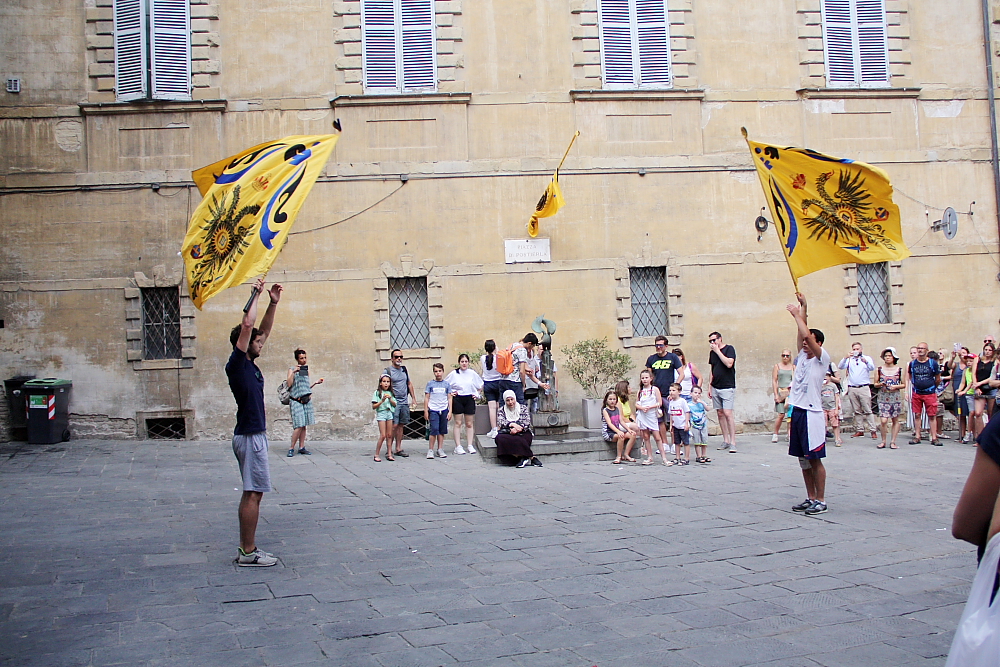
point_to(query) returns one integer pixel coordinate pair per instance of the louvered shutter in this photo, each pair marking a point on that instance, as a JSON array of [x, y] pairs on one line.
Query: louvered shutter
[[616, 44], [653, 38], [130, 50], [378, 45], [170, 48], [839, 44], [418, 48], [873, 46]]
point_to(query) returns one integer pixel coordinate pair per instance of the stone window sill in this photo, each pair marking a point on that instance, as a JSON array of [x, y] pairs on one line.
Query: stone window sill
[[639, 94], [161, 364], [417, 353], [152, 106], [403, 99], [862, 329], [858, 93]]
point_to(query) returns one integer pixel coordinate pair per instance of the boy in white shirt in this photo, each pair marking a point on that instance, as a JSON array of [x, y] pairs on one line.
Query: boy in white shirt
[[807, 435], [680, 425]]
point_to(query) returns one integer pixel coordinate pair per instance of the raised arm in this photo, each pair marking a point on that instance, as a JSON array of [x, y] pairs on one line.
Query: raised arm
[[274, 294], [249, 317], [803, 335]]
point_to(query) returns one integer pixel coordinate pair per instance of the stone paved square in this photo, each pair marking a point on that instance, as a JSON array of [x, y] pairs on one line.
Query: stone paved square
[[121, 553]]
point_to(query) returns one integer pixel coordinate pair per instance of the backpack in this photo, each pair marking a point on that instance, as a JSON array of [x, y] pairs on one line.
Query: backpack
[[505, 360], [284, 393]]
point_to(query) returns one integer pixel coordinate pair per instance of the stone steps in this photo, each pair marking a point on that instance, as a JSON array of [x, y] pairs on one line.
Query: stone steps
[[579, 444]]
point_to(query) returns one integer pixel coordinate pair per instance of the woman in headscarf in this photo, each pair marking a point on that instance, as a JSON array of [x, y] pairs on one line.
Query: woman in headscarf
[[514, 432]]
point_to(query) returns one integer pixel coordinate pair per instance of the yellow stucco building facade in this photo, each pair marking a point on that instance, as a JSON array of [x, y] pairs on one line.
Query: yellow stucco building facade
[[454, 115]]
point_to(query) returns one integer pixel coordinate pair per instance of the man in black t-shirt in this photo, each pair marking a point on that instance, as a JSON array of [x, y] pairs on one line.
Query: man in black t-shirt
[[667, 369], [722, 387], [250, 434]]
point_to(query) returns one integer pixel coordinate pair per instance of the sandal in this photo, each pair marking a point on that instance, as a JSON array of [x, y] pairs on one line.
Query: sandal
[[616, 461], [705, 459], [882, 446], [647, 462], [378, 460], [914, 441], [673, 462], [629, 459], [892, 445]]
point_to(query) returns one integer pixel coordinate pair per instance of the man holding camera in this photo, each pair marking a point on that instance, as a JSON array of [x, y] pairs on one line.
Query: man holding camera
[[300, 401], [859, 368]]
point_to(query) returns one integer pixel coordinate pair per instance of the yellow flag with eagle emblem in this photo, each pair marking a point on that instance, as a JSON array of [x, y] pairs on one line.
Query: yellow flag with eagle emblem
[[250, 201], [828, 210]]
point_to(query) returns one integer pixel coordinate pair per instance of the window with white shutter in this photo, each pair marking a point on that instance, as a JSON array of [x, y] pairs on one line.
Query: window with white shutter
[[152, 49], [398, 46], [855, 44], [635, 44]]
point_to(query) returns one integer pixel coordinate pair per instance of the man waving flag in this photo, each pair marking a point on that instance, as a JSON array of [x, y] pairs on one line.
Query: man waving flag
[[249, 203], [828, 210]]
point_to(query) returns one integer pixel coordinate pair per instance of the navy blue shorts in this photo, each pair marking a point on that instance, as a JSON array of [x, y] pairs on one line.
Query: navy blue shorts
[[681, 436], [439, 422], [806, 424], [491, 390]]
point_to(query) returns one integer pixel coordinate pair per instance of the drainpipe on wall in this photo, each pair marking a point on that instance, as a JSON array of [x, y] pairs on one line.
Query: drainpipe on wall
[[988, 45]]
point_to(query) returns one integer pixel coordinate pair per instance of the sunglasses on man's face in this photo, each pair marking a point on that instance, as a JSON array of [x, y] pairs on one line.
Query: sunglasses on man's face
[[397, 357]]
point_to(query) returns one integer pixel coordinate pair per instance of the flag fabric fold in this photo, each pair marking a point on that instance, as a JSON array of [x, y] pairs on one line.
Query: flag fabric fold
[[250, 201], [828, 211], [550, 203]]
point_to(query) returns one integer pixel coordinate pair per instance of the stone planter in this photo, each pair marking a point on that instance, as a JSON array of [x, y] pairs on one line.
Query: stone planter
[[482, 426], [592, 413]]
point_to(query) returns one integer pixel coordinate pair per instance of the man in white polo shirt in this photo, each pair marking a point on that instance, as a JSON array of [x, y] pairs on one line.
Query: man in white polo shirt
[[860, 367]]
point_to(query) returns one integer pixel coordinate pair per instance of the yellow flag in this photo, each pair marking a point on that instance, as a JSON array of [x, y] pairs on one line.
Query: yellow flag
[[550, 203], [249, 203], [828, 210]]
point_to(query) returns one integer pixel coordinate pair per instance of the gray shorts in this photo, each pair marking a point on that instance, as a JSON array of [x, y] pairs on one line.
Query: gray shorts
[[401, 415], [723, 399], [251, 453], [699, 436]]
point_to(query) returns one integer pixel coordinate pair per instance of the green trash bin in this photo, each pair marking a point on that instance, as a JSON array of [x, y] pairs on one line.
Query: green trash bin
[[48, 410]]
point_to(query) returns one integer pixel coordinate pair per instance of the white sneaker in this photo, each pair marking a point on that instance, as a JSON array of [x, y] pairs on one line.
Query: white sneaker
[[440, 453], [774, 438], [255, 558], [672, 452], [471, 449], [430, 453], [459, 450], [492, 433]]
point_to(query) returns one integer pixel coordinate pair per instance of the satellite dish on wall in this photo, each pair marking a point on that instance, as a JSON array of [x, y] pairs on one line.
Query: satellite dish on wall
[[947, 224]]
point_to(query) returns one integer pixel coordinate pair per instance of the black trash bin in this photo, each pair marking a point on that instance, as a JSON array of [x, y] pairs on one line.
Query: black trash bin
[[48, 410], [18, 407]]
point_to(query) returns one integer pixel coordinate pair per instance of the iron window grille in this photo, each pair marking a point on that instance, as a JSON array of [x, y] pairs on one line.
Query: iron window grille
[[874, 304], [166, 428], [409, 324], [161, 323], [649, 301]]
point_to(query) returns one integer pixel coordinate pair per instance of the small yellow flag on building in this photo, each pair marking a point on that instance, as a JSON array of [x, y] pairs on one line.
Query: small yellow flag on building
[[249, 204], [550, 203], [828, 210], [552, 199]]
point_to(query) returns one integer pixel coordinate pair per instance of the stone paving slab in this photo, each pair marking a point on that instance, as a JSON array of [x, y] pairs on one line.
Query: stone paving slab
[[121, 553]]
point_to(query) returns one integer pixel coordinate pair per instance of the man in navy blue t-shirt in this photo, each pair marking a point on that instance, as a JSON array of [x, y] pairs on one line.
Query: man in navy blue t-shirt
[[250, 434]]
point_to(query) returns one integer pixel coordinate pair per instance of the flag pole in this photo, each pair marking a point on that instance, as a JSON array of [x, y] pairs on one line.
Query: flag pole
[[567, 151]]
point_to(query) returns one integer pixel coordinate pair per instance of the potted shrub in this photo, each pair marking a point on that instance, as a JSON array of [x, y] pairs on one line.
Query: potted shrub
[[596, 368]]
